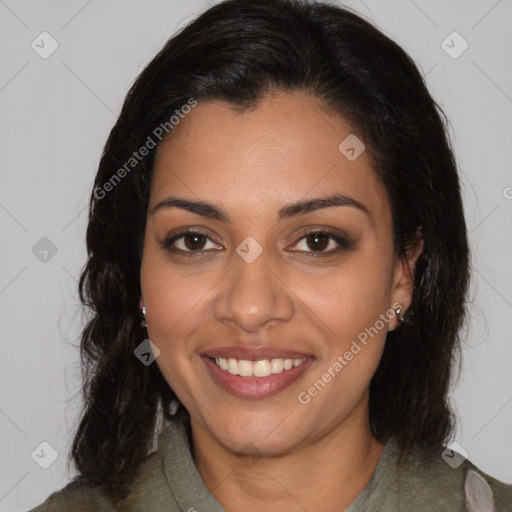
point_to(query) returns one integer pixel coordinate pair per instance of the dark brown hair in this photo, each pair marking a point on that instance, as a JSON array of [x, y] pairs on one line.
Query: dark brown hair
[[238, 51]]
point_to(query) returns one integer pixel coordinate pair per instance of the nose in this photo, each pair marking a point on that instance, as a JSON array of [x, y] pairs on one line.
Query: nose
[[253, 296]]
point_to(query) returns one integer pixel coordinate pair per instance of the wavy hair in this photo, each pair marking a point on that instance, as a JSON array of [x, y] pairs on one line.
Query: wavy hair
[[239, 51]]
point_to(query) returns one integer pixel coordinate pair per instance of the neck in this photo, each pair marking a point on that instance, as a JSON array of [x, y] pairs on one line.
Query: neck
[[325, 475]]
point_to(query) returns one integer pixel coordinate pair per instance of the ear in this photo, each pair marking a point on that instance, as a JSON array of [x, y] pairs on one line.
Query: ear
[[403, 279]]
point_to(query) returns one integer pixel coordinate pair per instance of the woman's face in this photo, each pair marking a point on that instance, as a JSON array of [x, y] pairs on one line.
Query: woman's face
[[250, 284]]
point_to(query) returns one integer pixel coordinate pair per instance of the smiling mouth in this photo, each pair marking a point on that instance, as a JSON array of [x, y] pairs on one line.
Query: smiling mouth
[[261, 368], [259, 373]]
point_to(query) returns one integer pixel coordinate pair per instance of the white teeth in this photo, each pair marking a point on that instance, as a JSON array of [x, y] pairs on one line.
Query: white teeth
[[277, 365], [245, 368], [262, 368], [233, 366]]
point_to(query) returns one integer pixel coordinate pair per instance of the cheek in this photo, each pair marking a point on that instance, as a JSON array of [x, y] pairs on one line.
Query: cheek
[[172, 303], [167, 296], [173, 315], [350, 297]]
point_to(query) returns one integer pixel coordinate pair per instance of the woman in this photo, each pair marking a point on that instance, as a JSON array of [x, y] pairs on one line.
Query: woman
[[280, 201]]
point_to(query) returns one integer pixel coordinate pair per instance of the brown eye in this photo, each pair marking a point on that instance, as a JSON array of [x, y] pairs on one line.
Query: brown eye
[[194, 241], [189, 243], [320, 243], [317, 241]]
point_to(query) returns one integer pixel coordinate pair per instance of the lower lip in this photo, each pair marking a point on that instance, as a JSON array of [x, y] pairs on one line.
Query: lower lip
[[255, 387]]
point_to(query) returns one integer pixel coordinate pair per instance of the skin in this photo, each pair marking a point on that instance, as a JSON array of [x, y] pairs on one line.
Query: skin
[[273, 453]]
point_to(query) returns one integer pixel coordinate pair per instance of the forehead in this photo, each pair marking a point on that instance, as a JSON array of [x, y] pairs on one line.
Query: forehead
[[285, 149]]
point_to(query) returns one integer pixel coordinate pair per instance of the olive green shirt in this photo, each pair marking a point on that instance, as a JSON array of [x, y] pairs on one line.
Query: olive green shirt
[[168, 481]]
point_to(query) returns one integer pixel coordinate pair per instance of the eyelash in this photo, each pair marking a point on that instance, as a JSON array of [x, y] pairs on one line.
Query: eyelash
[[342, 243]]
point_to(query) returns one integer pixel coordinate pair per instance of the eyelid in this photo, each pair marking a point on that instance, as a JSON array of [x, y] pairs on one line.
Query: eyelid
[[167, 242], [341, 241]]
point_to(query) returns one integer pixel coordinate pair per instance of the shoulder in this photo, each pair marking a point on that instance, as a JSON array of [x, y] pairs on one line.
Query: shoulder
[[430, 478], [481, 489], [149, 491], [77, 497], [444, 478]]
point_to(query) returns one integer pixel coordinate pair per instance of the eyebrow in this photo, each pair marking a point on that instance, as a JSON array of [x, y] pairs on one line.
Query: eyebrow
[[214, 212]]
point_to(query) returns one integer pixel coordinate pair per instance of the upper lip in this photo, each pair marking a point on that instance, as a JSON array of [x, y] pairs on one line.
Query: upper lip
[[254, 353]]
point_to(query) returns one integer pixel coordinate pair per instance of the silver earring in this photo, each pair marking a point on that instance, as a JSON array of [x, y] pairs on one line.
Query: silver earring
[[143, 323], [399, 314], [173, 406]]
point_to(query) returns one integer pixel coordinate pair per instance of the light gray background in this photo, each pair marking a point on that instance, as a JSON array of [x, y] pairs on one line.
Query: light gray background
[[56, 114]]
